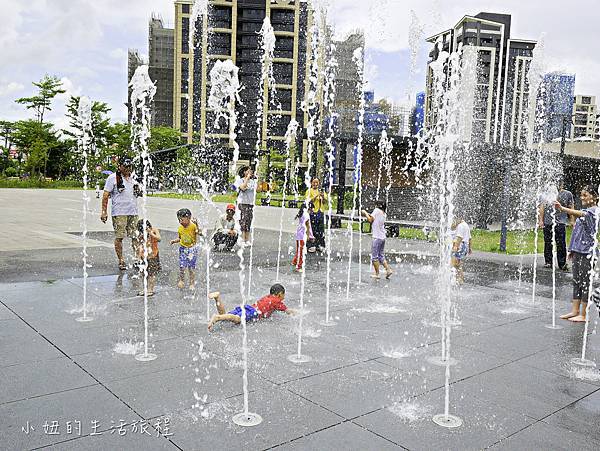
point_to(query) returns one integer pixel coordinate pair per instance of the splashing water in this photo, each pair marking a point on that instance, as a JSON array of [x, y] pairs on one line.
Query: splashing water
[[394, 353], [142, 95], [410, 412], [380, 308], [127, 348], [224, 92], [585, 374]]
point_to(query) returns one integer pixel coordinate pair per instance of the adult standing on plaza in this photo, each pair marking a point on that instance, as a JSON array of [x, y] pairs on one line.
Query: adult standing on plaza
[[245, 185], [123, 191], [562, 219], [318, 197]]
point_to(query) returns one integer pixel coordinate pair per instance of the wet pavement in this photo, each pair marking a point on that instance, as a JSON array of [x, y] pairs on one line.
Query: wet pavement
[[369, 385]]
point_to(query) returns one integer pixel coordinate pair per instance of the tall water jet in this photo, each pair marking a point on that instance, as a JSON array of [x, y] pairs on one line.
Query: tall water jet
[[290, 137], [224, 93], [266, 42], [359, 61], [357, 58], [453, 74], [310, 106], [329, 100], [84, 144], [142, 94], [385, 147], [548, 198], [415, 42], [535, 123]]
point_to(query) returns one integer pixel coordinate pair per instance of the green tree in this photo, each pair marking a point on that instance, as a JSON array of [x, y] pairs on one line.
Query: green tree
[[119, 137], [49, 87], [37, 157], [38, 141], [163, 138]]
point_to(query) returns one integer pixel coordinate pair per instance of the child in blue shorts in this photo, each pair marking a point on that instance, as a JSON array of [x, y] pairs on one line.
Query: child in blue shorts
[[263, 308], [188, 250], [377, 220]]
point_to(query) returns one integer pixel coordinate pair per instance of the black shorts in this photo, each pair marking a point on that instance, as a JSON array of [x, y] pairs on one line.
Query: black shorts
[[246, 216]]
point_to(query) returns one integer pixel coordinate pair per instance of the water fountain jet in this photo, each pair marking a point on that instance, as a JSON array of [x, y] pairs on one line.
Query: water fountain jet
[[84, 144], [142, 94]]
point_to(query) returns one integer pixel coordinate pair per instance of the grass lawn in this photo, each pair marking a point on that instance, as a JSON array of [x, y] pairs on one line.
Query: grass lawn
[[517, 242], [39, 183]]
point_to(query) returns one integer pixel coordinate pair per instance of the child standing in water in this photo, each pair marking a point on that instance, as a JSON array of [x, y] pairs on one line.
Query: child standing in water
[[150, 250], [304, 229], [377, 219], [581, 249], [188, 250], [461, 247]]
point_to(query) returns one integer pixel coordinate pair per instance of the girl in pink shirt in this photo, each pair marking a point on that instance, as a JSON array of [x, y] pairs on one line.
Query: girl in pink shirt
[[302, 231]]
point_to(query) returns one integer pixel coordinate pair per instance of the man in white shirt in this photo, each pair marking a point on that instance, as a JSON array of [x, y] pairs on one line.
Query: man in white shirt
[[123, 190]]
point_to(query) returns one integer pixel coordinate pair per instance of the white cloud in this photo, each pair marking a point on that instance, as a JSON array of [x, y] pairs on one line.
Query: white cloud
[[118, 54], [86, 40], [10, 88]]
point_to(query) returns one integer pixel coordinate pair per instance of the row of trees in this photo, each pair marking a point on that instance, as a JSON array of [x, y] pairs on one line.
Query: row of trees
[[46, 151]]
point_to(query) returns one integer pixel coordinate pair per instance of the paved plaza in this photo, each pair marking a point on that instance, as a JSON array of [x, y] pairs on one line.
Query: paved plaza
[[369, 385]]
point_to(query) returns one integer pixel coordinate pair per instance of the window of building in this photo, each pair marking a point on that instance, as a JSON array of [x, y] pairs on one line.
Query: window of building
[[185, 9], [586, 100], [184, 115], [185, 75], [185, 35]]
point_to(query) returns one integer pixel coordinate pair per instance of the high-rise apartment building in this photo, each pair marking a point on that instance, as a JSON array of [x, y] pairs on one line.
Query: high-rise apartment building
[[160, 68], [500, 101], [557, 94], [347, 82], [233, 33], [585, 119]]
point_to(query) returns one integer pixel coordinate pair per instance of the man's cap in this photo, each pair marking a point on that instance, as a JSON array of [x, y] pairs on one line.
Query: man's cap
[[126, 162], [230, 207]]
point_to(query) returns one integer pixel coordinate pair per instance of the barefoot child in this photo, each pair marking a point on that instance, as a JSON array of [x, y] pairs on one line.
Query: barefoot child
[[150, 248], [461, 247], [188, 251], [581, 249], [377, 220], [262, 309], [302, 231]]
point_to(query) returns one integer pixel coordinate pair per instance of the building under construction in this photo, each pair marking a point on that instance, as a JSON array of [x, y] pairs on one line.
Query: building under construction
[[160, 68]]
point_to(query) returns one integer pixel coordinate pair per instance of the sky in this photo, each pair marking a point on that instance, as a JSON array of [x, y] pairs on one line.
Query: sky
[[85, 42]]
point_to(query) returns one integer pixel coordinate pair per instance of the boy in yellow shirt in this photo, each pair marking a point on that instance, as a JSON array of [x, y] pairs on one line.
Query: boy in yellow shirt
[[188, 250], [318, 197]]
